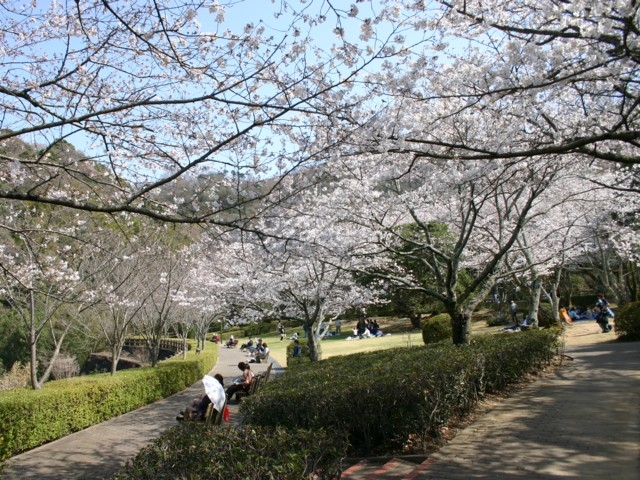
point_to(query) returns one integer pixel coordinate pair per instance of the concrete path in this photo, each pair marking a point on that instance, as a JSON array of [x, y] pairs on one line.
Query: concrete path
[[99, 451], [582, 422]]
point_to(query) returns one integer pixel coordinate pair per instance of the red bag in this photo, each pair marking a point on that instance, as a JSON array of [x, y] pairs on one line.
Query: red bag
[[226, 414]]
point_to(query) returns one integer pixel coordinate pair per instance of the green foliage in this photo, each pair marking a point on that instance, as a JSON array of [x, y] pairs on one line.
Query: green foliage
[[29, 418], [515, 355], [584, 301], [627, 321], [437, 328], [257, 329], [497, 318], [381, 399], [192, 451], [13, 345], [545, 316]]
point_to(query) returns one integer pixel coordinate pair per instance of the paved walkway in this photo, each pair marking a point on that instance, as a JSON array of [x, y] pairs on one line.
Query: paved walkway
[[99, 451], [582, 423]]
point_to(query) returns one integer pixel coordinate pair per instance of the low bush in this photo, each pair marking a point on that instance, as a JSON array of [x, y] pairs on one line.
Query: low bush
[[192, 451], [498, 318], [17, 377], [509, 359], [627, 321], [381, 399], [437, 328], [257, 329], [545, 316], [29, 418]]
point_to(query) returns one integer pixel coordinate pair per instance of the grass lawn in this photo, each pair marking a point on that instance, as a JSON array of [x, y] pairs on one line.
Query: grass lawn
[[403, 335]]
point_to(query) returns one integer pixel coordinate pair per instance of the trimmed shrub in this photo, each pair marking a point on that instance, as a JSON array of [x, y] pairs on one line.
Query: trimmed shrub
[[437, 328], [381, 399], [508, 360], [257, 329], [627, 321], [29, 418], [192, 451], [545, 316]]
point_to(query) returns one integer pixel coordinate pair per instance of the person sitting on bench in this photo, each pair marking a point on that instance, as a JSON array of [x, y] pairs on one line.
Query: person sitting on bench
[[242, 383], [260, 354], [198, 407]]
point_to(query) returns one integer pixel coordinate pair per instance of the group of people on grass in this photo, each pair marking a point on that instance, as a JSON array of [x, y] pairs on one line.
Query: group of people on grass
[[367, 328], [601, 313], [217, 395]]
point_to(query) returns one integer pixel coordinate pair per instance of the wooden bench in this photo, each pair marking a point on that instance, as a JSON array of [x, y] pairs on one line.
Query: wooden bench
[[253, 387], [212, 416], [267, 372], [258, 380], [231, 344]]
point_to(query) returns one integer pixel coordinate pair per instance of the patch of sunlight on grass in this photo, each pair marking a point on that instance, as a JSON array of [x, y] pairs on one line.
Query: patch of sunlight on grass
[[339, 345]]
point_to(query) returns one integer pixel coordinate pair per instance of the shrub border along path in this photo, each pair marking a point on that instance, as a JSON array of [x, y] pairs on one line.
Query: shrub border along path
[[582, 421], [100, 451], [579, 422]]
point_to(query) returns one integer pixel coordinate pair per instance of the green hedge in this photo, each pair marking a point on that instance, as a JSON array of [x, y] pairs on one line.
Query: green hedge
[[509, 357], [381, 399], [627, 321], [29, 418], [192, 451], [437, 328]]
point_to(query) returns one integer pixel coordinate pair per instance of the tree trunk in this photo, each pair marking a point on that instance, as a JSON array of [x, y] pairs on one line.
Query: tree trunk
[[154, 352], [33, 360], [461, 327], [54, 356], [535, 301], [115, 358], [631, 280], [33, 343], [416, 319], [313, 342]]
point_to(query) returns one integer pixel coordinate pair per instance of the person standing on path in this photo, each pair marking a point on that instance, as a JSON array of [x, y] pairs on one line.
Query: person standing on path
[[604, 312], [514, 312]]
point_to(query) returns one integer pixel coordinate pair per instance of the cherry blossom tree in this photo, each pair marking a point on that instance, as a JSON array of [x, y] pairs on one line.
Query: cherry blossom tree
[[516, 79], [163, 277], [212, 286], [121, 294], [483, 205], [553, 237], [519, 88], [179, 106], [43, 277], [303, 268]]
